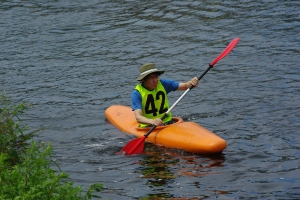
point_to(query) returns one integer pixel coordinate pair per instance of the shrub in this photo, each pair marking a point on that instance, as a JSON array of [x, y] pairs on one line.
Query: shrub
[[34, 179], [25, 171], [13, 141]]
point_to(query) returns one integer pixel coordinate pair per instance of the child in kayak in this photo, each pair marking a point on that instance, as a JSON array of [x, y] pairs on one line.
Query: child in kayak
[[149, 98]]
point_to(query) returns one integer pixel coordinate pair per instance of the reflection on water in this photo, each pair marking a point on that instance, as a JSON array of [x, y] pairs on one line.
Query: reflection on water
[[161, 166], [156, 165]]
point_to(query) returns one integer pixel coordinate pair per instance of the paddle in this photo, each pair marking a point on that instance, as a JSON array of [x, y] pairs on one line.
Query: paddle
[[136, 146]]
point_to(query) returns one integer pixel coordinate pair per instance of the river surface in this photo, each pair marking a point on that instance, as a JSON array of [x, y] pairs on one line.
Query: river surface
[[73, 59]]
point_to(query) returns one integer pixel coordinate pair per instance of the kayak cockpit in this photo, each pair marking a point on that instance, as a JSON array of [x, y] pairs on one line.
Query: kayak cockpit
[[176, 120]]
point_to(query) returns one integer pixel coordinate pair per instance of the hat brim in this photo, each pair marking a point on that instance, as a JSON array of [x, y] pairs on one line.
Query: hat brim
[[141, 77]]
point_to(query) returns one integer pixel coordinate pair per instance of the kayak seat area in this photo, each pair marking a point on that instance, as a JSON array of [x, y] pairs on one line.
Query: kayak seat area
[[176, 120]]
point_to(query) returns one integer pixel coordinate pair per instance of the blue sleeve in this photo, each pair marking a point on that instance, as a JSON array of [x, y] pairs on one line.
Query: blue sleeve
[[169, 85], [136, 100]]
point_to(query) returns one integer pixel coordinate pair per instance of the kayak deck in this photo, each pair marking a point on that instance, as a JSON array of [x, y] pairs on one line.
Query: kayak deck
[[187, 136]]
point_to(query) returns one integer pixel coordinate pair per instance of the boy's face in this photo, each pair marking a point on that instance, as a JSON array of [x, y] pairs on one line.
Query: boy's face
[[151, 81]]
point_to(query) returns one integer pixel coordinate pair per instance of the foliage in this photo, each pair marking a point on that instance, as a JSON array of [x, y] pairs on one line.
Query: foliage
[[34, 179], [13, 140], [25, 171]]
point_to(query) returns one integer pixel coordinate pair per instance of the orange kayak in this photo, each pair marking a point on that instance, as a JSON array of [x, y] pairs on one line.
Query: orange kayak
[[187, 136]]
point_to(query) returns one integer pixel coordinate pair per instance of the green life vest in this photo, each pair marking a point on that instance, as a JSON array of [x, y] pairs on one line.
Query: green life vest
[[154, 103]]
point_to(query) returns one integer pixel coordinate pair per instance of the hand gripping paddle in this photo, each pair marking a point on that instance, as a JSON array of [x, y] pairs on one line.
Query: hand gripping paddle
[[136, 146]]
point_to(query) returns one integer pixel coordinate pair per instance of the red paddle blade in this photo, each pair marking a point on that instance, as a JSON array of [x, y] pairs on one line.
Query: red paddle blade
[[226, 51], [135, 146]]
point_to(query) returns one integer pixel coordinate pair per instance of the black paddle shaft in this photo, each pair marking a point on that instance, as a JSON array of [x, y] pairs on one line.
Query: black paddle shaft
[[200, 77]]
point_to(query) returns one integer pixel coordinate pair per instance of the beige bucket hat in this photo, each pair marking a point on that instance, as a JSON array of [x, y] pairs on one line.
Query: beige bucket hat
[[147, 69]]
